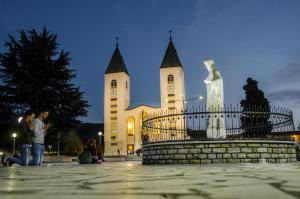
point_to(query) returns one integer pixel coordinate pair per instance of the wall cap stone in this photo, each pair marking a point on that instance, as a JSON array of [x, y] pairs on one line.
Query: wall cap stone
[[220, 141]]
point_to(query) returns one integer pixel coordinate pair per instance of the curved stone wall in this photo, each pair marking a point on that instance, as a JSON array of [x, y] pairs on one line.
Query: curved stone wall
[[208, 152]]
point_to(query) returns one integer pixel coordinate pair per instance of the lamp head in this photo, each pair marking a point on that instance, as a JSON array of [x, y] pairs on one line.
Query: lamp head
[[20, 119]]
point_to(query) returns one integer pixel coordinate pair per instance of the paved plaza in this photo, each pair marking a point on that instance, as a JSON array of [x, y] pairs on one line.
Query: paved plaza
[[133, 180]]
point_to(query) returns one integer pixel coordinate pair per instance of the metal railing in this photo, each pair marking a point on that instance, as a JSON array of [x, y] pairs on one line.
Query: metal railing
[[228, 122]]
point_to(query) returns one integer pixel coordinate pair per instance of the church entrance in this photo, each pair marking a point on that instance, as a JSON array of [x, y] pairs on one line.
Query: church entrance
[[130, 149]]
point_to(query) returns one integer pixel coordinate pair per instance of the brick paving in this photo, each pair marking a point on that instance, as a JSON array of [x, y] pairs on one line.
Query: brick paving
[[134, 180]]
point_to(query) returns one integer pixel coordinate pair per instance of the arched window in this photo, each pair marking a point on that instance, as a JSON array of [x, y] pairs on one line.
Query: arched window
[[130, 126], [114, 83], [170, 79]]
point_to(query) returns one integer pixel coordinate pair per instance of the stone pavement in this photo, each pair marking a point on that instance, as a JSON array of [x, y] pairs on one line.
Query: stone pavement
[[133, 180]]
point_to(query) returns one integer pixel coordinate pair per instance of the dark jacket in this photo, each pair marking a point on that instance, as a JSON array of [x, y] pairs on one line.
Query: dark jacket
[[25, 134], [92, 149]]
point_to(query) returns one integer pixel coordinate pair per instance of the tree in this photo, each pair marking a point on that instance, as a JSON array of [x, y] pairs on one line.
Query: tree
[[35, 75], [72, 143], [6, 114], [256, 111]]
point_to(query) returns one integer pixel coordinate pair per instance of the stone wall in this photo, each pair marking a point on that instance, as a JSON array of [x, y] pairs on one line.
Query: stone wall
[[208, 152]]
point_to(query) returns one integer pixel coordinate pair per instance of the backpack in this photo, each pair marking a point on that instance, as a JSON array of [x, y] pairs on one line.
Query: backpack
[[85, 157]]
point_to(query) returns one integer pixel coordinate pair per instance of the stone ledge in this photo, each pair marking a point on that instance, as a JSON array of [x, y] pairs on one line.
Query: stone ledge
[[230, 151], [221, 141]]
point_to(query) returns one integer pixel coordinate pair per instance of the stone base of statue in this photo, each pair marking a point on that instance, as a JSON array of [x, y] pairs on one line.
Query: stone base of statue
[[215, 127], [215, 101]]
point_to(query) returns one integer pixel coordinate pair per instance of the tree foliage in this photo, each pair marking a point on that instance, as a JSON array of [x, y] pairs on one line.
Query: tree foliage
[[254, 123], [72, 143], [35, 75]]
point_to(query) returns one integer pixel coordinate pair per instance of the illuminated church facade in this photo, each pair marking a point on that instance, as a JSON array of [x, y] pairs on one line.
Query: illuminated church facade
[[123, 123]]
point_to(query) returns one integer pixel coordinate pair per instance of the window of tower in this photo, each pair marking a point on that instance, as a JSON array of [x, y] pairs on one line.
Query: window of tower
[[170, 79], [126, 84], [130, 126], [114, 83]]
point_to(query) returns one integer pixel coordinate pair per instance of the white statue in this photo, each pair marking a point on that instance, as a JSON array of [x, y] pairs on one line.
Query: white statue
[[215, 101]]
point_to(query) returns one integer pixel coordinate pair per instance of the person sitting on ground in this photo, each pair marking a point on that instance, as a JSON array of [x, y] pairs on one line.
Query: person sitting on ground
[[85, 157], [89, 155], [91, 146], [25, 142]]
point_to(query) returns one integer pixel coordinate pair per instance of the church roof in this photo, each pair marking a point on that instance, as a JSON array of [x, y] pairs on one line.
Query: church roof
[[171, 58], [116, 63], [141, 105]]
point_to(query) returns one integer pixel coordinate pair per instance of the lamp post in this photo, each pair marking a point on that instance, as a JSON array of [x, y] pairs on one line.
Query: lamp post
[[58, 144], [49, 147], [100, 134], [191, 99], [184, 102], [14, 135]]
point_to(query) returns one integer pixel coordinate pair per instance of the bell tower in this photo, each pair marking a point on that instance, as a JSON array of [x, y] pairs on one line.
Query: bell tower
[[172, 92], [116, 100]]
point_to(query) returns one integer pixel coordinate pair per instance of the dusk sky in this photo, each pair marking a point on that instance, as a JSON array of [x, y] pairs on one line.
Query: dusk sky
[[254, 38]]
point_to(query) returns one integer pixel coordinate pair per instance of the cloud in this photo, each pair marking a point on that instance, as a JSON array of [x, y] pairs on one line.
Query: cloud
[[285, 79], [288, 73], [286, 95]]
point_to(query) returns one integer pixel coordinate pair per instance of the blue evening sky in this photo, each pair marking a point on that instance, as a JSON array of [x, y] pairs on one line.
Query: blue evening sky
[[246, 38]]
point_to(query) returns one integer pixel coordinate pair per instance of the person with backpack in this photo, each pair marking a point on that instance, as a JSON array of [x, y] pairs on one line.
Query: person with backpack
[[89, 155], [85, 157]]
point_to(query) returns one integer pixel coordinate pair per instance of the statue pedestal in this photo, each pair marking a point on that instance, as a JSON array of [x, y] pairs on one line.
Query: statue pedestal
[[215, 126]]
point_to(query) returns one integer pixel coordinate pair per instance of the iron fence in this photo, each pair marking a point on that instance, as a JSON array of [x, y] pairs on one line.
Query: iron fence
[[228, 122]]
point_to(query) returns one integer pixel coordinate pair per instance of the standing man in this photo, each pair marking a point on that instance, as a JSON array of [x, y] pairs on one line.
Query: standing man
[[25, 140], [39, 132]]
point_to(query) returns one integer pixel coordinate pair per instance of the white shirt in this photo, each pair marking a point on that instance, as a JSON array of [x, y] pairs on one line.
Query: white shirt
[[38, 131]]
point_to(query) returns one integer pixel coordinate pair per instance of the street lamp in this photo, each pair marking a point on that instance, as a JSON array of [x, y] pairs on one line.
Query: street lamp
[[58, 144], [195, 98], [100, 134], [14, 135], [20, 119], [184, 102], [49, 147]]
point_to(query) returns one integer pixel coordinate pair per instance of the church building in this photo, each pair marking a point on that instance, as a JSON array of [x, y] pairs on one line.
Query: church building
[[123, 124]]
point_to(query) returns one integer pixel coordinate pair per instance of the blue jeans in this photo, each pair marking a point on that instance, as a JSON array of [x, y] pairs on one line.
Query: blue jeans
[[25, 151], [37, 153]]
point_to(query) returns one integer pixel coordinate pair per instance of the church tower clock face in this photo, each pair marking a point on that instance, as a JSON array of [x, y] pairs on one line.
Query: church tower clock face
[[113, 93], [171, 88]]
